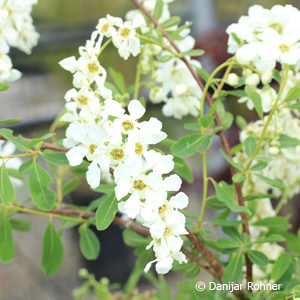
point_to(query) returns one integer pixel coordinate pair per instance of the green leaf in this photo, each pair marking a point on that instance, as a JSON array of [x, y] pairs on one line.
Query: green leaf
[[259, 166], [18, 141], [9, 121], [34, 142], [241, 122], [273, 182], [224, 196], [182, 169], [105, 188], [194, 52], [193, 126], [224, 243], [53, 250], [173, 21], [118, 80], [207, 121], [238, 166], [237, 93], [249, 145], [15, 174], [57, 158], [275, 223], [158, 9], [164, 58], [39, 181], [238, 177], [20, 224], [281, 264], [256, 99], [287, 141], [293, 94], [4, 86], [106, 211], [7, 248], [7, 192], [89, 243], [226, 118], [277, 76], [234, 268], [188, 145], [292, 241], [294, 106], [203, 74], [258, 258], [70, 186], [133, 239], [227, 222], [26, 167], [272, 238], [255, 196]]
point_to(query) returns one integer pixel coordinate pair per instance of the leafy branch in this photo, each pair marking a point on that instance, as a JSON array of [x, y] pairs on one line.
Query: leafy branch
[[221, 133]]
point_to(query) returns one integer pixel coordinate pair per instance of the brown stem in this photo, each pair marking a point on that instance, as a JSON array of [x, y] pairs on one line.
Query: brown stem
[[221, 133], [144, 231]]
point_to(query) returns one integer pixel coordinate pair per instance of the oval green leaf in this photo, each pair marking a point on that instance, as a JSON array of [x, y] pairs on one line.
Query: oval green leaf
[[7, 192], [53, 250], [89, 243], [7, 248], [106, 211], [39, 180]]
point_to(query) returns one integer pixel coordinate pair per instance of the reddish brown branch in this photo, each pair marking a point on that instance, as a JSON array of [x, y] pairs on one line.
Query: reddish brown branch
[[221, 133], [210, 268]]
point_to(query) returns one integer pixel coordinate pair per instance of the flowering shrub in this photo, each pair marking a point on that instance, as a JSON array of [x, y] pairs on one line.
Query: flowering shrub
[[107, 142]]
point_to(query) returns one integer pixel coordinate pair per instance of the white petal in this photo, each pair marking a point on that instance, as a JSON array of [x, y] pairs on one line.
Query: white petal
[[70, 94], [179, 201], [157, 229], [136, 109], [164, 266], [122, 189], [172, 183], [113, 108], [148, 266], [93, 175], [76, 155], [69, 64]]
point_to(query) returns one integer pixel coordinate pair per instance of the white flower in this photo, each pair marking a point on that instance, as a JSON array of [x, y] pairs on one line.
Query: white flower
[[84, 140], [125, 39], [106, 26]]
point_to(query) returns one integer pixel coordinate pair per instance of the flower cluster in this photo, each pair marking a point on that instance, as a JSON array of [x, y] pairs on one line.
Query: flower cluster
[[172, 83], [117, 144], [261, 40], [17, 31], [266, 37]]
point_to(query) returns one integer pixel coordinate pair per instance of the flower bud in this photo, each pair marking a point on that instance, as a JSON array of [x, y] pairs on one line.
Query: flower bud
[[232, 79], [273, 150], [252, 80], [145, 67], [83, 273], [266, 77], [157, 95], [247, 72]]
